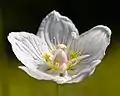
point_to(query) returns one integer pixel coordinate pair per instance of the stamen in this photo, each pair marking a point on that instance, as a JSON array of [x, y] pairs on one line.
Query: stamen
[[76, 60], [63, 39], [74, 36], [73, 55], [62, 62]]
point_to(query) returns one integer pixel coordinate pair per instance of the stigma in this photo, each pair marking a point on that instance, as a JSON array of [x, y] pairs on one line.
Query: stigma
[[61, 60]]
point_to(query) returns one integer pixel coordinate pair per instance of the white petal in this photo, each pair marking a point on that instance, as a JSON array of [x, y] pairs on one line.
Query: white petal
[[56, 29], [81, 66], [84, 72], [79, 77], [93, 42], [36, 73], [27, 48], [62, 80], [93, 70]]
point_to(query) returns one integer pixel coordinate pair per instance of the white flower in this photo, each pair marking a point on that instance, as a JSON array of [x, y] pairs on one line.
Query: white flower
[[58, 53]]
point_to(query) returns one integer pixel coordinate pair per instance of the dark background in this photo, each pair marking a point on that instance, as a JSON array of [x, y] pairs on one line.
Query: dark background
[[26, 15]]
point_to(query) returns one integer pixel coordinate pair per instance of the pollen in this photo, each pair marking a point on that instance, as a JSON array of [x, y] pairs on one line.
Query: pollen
[[47, 57], [74, 55]]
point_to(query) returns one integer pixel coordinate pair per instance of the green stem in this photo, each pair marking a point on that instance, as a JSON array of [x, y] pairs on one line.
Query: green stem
[[57, 90]]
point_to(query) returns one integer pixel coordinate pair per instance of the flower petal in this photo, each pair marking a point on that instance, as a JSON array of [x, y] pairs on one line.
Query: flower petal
[[93, 42], [57, 29], [84, 72], [27, 48], [79, 77], [36, 73]]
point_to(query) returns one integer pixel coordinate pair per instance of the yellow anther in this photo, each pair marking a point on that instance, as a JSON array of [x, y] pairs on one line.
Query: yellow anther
[[47, 57], [74, 55]]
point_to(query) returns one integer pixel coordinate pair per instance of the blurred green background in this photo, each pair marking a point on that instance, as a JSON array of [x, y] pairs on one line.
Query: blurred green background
[[25, 15]]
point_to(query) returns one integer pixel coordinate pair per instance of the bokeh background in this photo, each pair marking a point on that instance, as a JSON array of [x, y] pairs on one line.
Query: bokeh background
[[26, 15]]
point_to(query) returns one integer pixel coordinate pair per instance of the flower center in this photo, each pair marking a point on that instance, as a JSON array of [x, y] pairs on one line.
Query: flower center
[[60, 60]]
